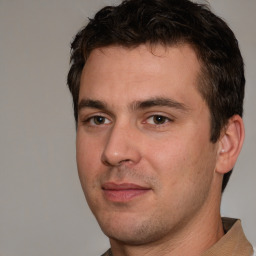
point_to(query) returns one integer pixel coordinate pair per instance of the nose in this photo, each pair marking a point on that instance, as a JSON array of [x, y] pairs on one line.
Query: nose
[[122, 146]]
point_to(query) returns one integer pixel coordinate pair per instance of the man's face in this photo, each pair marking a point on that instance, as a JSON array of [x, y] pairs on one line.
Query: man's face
[[144, 155]]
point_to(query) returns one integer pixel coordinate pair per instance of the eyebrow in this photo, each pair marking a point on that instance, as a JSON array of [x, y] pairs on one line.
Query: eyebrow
[[136, 105], [159, 101], [88, 103]]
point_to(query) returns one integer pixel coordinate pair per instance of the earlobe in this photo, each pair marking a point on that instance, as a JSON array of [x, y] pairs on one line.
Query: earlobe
[[230, 144]]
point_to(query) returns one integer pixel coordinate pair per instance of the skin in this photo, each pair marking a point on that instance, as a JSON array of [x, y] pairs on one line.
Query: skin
[[148, 170]]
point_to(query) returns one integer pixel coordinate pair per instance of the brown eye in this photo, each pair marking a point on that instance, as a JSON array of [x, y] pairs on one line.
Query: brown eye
[[158, 120], [98, 120]]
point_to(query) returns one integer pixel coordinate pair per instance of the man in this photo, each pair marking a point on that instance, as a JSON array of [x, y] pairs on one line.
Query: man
[[158, 88]]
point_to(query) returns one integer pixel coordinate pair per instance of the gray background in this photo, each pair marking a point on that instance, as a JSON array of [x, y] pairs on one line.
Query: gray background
[[42, 207]]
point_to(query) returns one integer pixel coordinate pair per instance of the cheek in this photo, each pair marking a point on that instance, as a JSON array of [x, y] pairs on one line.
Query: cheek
[[168, 156], [88, 148], [89, 169], [181, 159], [185, 172], [88, 155]]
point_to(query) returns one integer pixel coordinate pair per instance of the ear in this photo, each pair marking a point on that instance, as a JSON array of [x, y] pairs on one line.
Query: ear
[[230, 144]]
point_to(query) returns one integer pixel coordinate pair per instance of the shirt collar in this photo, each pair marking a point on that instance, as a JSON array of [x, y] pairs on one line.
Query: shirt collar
[[233, 242]]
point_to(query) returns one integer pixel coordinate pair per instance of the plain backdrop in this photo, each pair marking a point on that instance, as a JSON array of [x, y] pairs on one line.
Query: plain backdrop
[[42, 207]]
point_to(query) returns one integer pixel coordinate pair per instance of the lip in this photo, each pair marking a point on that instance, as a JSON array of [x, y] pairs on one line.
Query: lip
[[123, 192]]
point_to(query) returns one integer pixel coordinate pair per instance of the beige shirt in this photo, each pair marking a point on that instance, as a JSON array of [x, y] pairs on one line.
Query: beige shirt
[[233, 243]]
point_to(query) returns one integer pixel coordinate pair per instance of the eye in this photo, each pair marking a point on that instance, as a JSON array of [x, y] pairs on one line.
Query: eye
[[97, 120], [158, 120]]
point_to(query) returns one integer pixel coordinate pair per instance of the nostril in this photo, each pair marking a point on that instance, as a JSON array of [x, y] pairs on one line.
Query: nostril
[[118, 163], [106, 162], [124, 161]]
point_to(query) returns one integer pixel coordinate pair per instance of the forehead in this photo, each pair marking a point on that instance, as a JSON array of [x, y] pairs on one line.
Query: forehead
[[146, 55], [141, 72]]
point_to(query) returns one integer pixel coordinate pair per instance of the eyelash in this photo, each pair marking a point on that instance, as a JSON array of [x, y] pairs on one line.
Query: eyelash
[[153, 118], [161, 118], [93, 119]]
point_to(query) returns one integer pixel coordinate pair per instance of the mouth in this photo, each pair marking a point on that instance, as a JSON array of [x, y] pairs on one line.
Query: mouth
[[123, 192]]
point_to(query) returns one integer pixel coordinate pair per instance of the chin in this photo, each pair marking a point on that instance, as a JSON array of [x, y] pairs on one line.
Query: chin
[[134, 232]]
